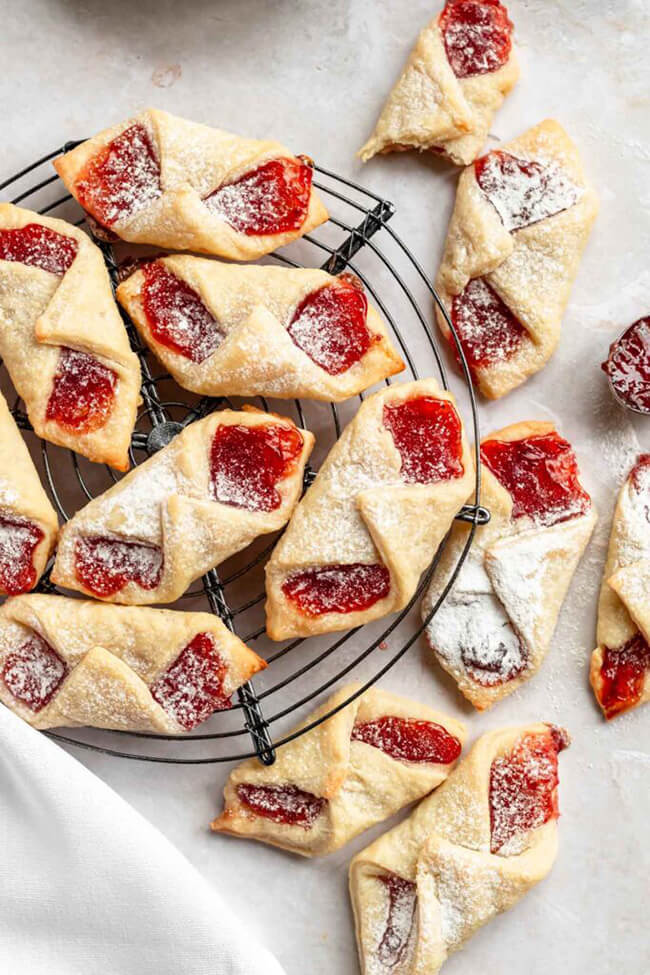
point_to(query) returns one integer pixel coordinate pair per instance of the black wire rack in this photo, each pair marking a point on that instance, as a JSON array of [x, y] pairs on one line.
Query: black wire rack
[[358, 238]]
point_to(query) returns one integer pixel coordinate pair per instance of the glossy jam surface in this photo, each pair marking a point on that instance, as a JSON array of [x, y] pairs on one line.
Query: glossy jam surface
[[272, 199], [541, 474], [428, 435], [523, 191], [285, 804], [523, 788], [83, 392], [337, 588], [487, 330], [33, 673], [247, 463], [409, 740], [622, 675], [191, 689], [121, 178], [400, 920], [476, 35], [628, 366], [38, 246], [105, 565], [19, 539], [177, 316]]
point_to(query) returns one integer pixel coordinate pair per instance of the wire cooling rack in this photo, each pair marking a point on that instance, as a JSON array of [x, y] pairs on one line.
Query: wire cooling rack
[[357, 238]]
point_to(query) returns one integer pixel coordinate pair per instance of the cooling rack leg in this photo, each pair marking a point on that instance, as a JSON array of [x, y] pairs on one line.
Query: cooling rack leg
[[372, 222]]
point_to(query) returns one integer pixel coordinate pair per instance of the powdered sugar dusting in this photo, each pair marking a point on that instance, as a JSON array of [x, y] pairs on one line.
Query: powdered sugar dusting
[[18, 541], [33, 673]]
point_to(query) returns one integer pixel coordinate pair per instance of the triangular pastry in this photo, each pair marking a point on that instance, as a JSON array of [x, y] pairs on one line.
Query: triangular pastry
[[62, 338], [67, 663], [224, 329], [374, 517], [359, 767], [218, 485], [159, 179], [495, 627]]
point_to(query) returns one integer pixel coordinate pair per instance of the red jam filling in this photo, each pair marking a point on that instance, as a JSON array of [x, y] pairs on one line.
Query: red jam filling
[[523, 191], [523, 786], [33, 673], [400, 919], [622, 676], [191, 689], [541, 475], [19, 539], [628, 366], [246, 464], [121, 178], [105, 565], [272, 199], [82, 392], [428, 435], [177, 316], [337, 588], [38, 246], [329, 325], [409, 740], [285, 804], [640, 479], [476, 35], [486, 328]]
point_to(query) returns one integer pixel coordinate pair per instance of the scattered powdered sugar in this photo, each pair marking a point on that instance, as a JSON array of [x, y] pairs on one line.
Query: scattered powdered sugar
[[33, 673], [633, 526], [397, 942], [18, 540], [486, 328], [524, 191], [137, 503]]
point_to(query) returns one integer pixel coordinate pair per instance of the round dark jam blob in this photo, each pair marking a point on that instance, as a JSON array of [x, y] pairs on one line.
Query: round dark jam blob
[[83, 392], [476, 35], [191, 688], [38, 246], [400, 918], [622, 676], [409, 739], [628, 366], [337, 588], [33, 673], [176, 315], [247, 463], [486, 328], [19, 539], [271, 199], [285, 804], [105, 565], [427, 433], [523, 191]]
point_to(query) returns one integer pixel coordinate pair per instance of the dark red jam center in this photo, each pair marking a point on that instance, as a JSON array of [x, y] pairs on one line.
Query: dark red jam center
[[640, 479], [541, 475], [409, 740], [246, 464], [628, 366], [33, 673], [272, 199], [177, 316], [191, 689], [38, 246], [523, 786], [428, 435], [18, 541], [400, 919], [623, 674], [523, 191], [121, 178], [476, 34], [486, 328], [329, 325], [105, 565], [82, 392], [337, 588], [286, 804]]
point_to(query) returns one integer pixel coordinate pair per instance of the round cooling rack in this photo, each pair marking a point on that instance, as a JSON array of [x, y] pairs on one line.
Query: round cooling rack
[[357, 238]]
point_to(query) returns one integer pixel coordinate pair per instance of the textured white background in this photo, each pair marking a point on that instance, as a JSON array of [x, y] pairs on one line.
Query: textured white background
[[314, 74]]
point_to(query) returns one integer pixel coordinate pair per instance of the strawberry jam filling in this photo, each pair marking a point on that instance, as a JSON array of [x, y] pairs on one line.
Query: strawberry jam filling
[[337, 588], [122, 178], [523, 787], [83, 392], [271, 199], [523, 191], [176, 315], [486, 328], [285, 804], [428, 435], [33, 673], [628, 366], [409, 740], [476, 35], [247, 463], [400, 920], [191, 689], [38, 246], [19, 539], [104, 566], [541, 475], [622, 676]]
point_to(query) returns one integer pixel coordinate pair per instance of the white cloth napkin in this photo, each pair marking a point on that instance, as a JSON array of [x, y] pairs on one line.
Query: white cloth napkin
[[87, 886]]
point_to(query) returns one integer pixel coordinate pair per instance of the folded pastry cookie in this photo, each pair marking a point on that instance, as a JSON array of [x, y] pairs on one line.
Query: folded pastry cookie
[[522, 217], [359, 767], [68, 662], [159, 179], [218, 485], [62, 338], [223, 329], [467, 853], [374, 517], [620, 665], [28, 522], [495, 627], [456, 77]]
